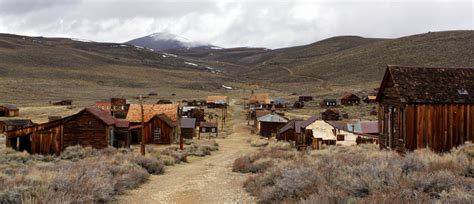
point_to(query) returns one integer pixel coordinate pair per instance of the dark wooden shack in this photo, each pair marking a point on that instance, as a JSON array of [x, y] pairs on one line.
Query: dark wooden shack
[[90, 127], [330, 114], [8, 125], [350, 99], [305, 98], [159, 130], [328, 103], [289, 131], [426, 107], [61, 103], [9, 110], [193, 112], [188, 128], [208, 127], [217, 101], [269, 124]]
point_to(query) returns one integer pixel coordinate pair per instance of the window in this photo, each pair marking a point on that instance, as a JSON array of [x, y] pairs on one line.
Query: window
[[213, 129], [203, 129], [157, 134]]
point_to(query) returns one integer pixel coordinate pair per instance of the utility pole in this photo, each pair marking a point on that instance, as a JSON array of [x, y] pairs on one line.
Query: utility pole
[[180, 113], [142, 130]]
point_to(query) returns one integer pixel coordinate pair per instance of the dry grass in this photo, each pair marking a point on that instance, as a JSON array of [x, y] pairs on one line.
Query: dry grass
[[79, 175], [362, 174]]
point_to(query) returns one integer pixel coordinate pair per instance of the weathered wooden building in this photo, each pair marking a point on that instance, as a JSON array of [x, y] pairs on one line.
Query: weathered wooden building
[[289, 131], [188, 128], [330, 114], [194, 112], [350, 99], [328, 103], [260, 99], [208, 127], [426, 107], [269, 124], [217, 101], [119, 107], [9, 110], [305, 98], [67, 102], [160, 123], [370, 99], [90, 127], [8, 125]]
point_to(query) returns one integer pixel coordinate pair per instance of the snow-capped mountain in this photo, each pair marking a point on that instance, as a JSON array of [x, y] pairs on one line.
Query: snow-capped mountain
[[166, 41]]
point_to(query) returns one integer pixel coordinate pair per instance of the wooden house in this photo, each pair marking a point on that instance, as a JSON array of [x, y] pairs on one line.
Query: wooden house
[[62, 103], [8, 125], [9, 110], [304, 138], [269, 124], [208, 127], [188, 128], [257, 114], [330, 114], [350, 99], [305, 98], [90, 127], [160, 123], [217, 101], [370, 99], [289, 131], [329, 103], [426, 107], [298, 104]]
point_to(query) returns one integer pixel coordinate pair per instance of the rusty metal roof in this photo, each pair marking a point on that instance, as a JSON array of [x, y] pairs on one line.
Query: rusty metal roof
[[262, 98], [188, 122], [150, 110], [17, 122], [430, 85], [216, 99], [102, 115], [121, 123], [309, 121]]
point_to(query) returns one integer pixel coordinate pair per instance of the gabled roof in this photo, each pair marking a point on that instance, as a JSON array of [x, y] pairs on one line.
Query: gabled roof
[[188, 122], [261, 112], [166, 119], [349, 96], [272, 118], [17, 122], [217, 99], [10, 107], [101, 114], [430, 85], [150, 110], [309, 121], [121, 123], [294, 124], [262, 98]]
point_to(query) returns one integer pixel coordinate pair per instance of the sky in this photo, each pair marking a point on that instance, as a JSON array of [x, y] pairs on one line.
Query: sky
[[226, 23]]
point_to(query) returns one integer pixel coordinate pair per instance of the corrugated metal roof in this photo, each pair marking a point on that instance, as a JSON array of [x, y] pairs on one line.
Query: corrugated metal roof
[[272, 118], [10, 107], [188, 122]]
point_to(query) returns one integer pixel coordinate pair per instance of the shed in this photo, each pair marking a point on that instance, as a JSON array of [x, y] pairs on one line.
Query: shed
[[62, 103], [305, 98], [370, 99], [208, 127], [330, 114], [329, 103], [167, 125], [259, 98], [9, 110], [426, 107], [217, 101], [89, 127], [350, 99], [188, 128], [269, 124], [289, 131], [8, 125]]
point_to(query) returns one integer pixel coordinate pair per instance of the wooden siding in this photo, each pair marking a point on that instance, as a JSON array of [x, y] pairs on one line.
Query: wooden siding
[[86, 130], [166, 134], [268, 129], [188, 133], [288, 135]]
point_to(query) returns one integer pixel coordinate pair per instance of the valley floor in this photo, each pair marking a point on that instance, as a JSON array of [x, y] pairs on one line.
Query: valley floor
[[203, 180]]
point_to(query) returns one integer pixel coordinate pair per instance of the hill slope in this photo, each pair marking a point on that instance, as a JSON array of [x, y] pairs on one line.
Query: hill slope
[[166, 41]]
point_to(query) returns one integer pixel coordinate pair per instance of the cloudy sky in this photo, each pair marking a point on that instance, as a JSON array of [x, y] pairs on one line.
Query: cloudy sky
[[257, 23]]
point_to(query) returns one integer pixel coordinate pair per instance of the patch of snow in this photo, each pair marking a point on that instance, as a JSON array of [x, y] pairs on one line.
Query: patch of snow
[[216, 48], [227, 87], [164, 56], [170, 55], [192, 64], [210, 68], [123, 45], [81, 40], [139, 47]]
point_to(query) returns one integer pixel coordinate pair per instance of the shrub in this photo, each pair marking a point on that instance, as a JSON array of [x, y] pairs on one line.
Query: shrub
[[259, 143], [167, 160], [75, 153], [150, 164]]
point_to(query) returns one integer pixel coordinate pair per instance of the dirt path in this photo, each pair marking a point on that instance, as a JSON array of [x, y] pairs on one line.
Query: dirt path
[[207, 180], [324, 82]]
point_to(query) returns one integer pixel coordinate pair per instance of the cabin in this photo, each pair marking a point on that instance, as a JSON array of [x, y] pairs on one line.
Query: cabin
[[188, 128], [160, 123], [9, 110], [208, 127], [330, 114], [322, 132], [303, 139], [426, 107], [90, 127], [61, 103], [8, 125], [370, 99], [350, 99], [269, 124], [193, 112], [289, 131], [329, 103], [217, 101], [305, 98]]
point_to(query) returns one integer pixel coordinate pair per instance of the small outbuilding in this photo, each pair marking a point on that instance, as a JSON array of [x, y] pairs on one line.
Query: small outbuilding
[[305, 98], [269, 124], [370, 99], [9, 110], [217, 101], [8, 125], [188, 128], [330, 114], [350, 99], [290, 130], [329, 103], [208, 127]]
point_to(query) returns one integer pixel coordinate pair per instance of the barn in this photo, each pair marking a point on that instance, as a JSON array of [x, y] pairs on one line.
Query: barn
[[9, 110], [160, 123], [89, 127], [350, 99], [426, 107], [269, 124], [188, 128]]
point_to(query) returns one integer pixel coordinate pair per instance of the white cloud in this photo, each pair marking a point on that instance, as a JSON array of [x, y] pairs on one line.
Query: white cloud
[[229, 23]]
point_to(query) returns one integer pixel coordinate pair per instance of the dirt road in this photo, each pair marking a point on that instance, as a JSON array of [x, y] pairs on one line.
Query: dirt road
[[207, 180]]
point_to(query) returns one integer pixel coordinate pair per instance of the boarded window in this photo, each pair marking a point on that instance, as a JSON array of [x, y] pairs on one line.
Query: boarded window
[[157, 134], [340, 137]]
